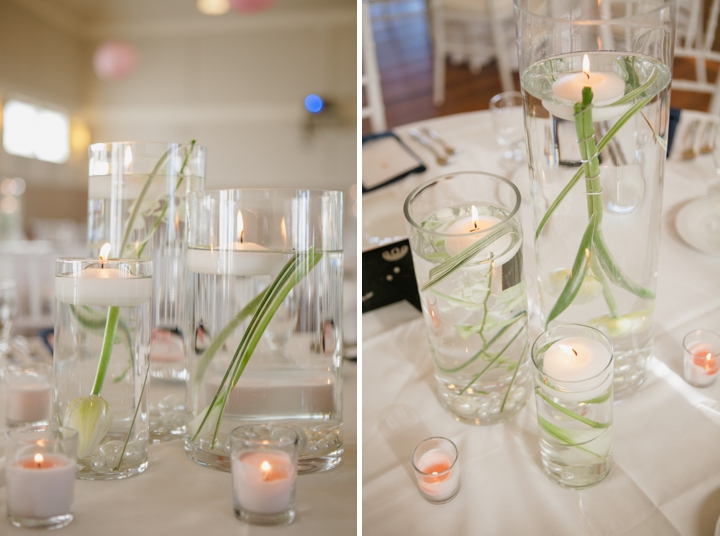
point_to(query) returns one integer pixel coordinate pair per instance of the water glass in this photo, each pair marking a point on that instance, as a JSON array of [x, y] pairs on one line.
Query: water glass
[[507, 110], [436, 469]]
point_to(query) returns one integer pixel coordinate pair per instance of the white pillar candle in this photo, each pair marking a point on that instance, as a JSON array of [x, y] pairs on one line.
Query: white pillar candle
[[445, 484], [263, 481], [576, 362], [478, 225], [40, 486], [606, 87], [28, 401], [103, 286]]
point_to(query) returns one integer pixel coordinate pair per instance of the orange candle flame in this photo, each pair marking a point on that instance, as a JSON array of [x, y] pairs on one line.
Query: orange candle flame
[[39, 460], [240, 226], [586, 66], [104, 252]]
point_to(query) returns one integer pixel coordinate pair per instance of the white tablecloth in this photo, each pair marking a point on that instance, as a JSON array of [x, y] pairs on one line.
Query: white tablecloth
[[666, 474], [176, 497]]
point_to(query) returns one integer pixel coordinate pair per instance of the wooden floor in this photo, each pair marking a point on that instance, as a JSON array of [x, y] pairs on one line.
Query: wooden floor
[[405, 63]]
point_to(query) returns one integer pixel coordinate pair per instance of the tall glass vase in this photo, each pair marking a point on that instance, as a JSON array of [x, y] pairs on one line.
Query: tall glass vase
[[596, 159], [137, 203], [265, 269]]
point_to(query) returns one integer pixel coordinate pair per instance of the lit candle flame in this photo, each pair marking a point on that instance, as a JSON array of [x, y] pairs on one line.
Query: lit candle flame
[[104, 252], [283, 230], [586, 66], [128, 158], [39, 459], [265, 468], [240, 226], [568, 349], [474, 212]]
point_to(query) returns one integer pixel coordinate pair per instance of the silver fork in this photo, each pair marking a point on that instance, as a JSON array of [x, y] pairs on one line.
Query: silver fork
[[689, 151], [415, 134], [449, 150]]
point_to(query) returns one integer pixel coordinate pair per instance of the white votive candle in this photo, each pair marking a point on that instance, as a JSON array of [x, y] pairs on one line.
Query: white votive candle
[[701, 360], [473, 228], [263, 481], [40, 486], [575, 361], [440, 480]]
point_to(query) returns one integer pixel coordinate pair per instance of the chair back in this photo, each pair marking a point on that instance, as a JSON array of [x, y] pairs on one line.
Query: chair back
[[374, 108]]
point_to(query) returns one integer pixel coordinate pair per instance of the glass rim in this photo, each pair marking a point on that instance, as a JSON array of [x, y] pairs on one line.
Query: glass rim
[[99, 144], [431, 182], [706, 332], [234, 434], [446, 471], [314, 191], [16, 434], [573, 382], [593, 22], [30, 367], [503, 95], [74, 260]]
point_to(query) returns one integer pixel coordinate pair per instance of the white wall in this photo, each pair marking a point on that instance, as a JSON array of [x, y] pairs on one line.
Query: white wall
[[237, 86]]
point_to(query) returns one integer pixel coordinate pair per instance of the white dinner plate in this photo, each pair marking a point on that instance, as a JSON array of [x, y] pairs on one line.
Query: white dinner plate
[[698, 224]]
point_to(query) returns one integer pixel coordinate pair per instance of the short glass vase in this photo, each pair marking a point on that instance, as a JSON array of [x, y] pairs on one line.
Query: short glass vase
[[466, 242], [574, 396]]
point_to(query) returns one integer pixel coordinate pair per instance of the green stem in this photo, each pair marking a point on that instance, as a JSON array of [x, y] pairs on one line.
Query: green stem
[[561, 435], [487, 298], [483, 349], [517, 368], [600, 276], [132, 424], [108, 340], [574, 415]]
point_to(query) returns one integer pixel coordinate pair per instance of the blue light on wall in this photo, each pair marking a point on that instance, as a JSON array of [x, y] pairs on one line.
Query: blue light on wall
[[314, 103]]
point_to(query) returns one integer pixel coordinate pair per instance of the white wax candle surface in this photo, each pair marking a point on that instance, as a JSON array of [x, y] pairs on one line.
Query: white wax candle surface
[[247, 262], [606, 87], [263, 481], [700, 365], [103, 287], [28, 400], [477, 225], [575, 359], [445, 484], [40, 493]]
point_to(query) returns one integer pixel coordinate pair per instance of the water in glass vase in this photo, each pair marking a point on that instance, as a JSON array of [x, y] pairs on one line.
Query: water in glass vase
[[476, 317], [575, 453], [597, 201], [294, 376]]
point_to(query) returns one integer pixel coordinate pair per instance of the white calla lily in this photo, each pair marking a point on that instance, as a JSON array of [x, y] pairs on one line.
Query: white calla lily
[[92, 417]]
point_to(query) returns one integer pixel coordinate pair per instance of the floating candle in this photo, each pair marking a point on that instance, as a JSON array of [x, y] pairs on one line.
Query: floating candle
[[239, 258], [111, 284], [478, 225], [606, 87], [578, 360]]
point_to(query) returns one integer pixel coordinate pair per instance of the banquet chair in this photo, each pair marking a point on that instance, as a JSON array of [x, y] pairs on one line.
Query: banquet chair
[[374, 109], [694, 40], [472, 31]]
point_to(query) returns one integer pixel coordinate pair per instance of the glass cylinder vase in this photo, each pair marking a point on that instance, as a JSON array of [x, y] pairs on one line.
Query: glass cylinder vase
[[574, 397], [137, 203], [265, 269], [466, 242], [102, 340], [595, 78]]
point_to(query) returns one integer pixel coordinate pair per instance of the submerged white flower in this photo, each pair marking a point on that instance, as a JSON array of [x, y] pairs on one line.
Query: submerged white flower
[[91, 416]]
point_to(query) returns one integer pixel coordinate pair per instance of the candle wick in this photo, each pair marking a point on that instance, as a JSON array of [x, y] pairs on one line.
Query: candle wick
[[242, 234], [574, 352], [588, 75]]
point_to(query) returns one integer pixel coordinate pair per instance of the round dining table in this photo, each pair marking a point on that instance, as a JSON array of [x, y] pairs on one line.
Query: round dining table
[[665, 478]]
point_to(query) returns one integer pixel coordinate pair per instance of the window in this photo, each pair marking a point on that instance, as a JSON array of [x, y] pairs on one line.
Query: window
[[36, 132]]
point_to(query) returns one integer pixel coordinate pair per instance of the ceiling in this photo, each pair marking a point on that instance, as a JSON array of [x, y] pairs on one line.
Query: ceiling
[[123, 11]]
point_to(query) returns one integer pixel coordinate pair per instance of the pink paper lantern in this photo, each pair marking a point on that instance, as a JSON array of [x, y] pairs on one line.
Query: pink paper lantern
[[114, 60], [251, 6]]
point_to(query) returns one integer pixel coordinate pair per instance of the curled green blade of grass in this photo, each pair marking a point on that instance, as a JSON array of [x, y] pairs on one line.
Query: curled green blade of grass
[[292, 273], [580, 172], [573, 415], [484, 349], [562, 435], [450, 266], [577, 273]]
